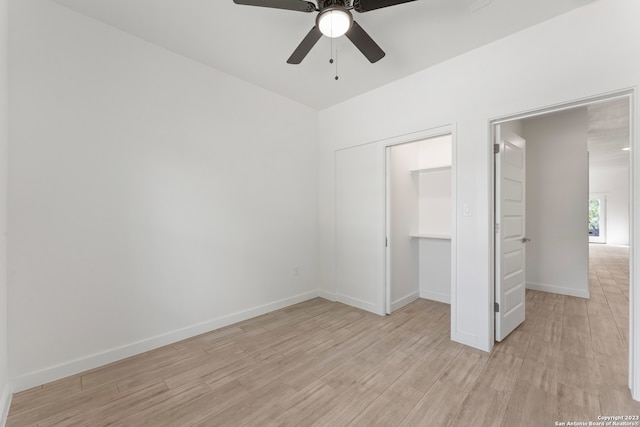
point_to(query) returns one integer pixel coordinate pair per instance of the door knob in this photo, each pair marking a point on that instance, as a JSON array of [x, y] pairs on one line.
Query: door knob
[[525, 240]]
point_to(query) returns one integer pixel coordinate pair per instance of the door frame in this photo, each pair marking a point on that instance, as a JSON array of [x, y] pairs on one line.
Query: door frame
[[408, 139], [634, 227]]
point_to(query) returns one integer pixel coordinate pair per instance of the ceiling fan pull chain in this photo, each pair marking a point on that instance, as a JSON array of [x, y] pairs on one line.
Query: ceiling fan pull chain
[[331, 47], [336, 62]]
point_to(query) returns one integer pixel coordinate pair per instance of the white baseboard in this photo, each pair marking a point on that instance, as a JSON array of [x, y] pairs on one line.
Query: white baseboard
[[470, 340], [5, 404], [435, 296], [362, 305], [399, 303], [558, 290], [76, 366], [329, 296]]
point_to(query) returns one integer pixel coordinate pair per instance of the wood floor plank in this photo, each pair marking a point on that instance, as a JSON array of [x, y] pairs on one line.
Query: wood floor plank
[[577, 322], [385, 373], [110, 410], [516, 344], [389, 408], [540, 349], [303, 408], [575, 306], [464, 369], [62, 405], [437, 407], [483, 407], [347, 404], [579, 372], [542, 375], [500, 372], [426, 370], [529, 407], [574, 404], [578, 343], [549, 328]]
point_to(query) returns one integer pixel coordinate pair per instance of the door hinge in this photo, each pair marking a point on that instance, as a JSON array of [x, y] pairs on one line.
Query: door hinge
[[386, 242], [497, 228], [496, 148], [496, 307]]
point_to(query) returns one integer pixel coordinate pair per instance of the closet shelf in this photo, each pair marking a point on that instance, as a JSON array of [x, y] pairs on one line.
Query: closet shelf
[[432, 170], [430, 236]]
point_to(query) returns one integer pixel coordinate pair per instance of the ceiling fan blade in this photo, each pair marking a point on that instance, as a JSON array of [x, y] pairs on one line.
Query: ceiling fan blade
[[364, 43], [367, 5], [298, 5], [305, 46]]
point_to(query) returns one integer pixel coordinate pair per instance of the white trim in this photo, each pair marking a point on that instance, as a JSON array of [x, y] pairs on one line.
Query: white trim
[[388, 307], [491, 171], [82, 364], [427, 171], [555, 289], [583, 102], [435, 296], [5, 404], [454, 239], [430, 236], [362, 305], [634, 261], [470, 340], [401, 302], [329, 296]]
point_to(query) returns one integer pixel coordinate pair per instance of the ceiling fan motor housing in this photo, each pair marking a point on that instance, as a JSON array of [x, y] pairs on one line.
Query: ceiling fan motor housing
[[324, 4]]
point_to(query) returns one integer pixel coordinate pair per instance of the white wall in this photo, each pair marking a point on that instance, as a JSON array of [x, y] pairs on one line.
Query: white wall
[[403, 211], [435, 269], [150, 198], [435, 202], [434, 186], [435, 152], [577, 55], [557, 194], [614, 182], [435, 219], [5, 389]]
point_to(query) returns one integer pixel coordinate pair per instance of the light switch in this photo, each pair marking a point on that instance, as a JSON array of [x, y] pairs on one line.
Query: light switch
[[466, 209]]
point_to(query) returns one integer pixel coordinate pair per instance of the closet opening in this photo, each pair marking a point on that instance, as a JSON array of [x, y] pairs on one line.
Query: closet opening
[[419, 217]]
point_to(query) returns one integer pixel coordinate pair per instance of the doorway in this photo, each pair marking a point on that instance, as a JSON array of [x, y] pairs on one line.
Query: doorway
[[418, 221], [596, 227]]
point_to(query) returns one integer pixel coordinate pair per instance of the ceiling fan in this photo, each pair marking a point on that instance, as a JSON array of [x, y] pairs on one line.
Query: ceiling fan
[[334, 20]]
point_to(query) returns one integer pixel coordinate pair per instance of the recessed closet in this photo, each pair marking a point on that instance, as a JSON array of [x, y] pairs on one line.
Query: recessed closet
[[419, 215]]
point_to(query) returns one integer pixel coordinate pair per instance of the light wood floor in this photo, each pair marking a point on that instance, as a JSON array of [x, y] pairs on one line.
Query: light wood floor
[[323, 363]]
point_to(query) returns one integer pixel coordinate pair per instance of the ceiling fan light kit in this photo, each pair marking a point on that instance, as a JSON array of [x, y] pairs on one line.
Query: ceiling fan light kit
[[334, 20]]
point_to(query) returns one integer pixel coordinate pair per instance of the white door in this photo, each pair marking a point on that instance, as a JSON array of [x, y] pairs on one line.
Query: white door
[[360, 253], [597, 218], [510, 233], [402, 222]]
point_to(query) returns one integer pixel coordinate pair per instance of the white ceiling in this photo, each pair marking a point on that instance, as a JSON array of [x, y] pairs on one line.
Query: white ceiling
[[253, 43], [608, 133]]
